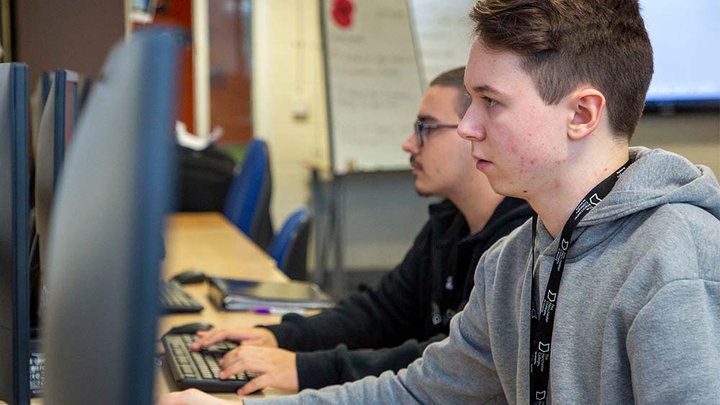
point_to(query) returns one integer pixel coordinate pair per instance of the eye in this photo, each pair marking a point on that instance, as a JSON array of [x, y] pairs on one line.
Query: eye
[[490, 101]]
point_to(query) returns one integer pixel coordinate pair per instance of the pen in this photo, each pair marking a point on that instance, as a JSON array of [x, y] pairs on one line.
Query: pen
[[279, 311]]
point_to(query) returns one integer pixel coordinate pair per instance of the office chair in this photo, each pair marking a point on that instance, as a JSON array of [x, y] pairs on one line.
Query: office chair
[[289, 247], [247, 204]]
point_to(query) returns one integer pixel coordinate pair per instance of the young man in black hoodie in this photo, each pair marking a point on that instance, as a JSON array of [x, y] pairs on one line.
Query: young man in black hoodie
[[413, 304]]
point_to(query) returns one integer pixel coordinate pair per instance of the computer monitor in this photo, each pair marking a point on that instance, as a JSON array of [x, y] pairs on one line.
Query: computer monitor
[[99, 325], [686, 51], [56, 128], [37, 103], [14, 212], [38, 97]]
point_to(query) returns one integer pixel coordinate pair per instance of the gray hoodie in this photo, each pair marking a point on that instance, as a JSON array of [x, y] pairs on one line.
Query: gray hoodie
[[638, 313]]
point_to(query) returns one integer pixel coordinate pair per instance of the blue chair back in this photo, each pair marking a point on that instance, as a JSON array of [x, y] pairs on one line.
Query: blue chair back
[[247, 204], [289, 247]]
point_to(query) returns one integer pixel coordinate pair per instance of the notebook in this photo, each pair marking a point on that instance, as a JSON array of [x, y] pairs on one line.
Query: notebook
[[247, 295]]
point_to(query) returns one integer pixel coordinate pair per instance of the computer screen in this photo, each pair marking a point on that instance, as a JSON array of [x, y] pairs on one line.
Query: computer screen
[[685, 36], [67, 103], [56, 129], [14, 224], [38, 97], [99, 324]]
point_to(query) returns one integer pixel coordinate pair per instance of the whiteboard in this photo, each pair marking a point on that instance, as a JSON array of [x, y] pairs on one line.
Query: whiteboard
[[444, 33], [373, 82]]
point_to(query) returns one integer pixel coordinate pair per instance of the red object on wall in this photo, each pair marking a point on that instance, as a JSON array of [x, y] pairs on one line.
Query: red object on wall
[[342, 12]]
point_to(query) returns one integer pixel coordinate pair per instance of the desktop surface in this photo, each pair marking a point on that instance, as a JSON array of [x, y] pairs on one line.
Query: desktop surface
[[207, 241]]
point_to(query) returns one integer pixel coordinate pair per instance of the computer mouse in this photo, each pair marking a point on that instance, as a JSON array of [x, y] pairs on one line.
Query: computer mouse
[[190, 276], [189, 328]]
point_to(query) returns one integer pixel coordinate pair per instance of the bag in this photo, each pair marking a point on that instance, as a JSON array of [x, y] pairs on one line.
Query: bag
[[204, 178]]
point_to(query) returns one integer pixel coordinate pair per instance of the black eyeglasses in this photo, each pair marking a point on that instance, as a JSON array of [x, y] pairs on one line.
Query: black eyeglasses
[[421, 127]]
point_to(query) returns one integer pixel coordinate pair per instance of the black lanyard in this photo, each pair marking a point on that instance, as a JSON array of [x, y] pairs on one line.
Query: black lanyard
[[541, 324]]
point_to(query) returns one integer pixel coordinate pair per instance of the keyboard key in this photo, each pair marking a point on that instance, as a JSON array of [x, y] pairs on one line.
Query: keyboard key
[[200, 369], [174, 299]]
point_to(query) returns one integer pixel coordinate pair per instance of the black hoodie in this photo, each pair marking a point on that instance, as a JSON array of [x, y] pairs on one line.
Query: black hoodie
[[410, 308]]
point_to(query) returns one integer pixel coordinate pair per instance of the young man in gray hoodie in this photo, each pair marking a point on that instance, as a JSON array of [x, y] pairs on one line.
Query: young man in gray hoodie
[[612, 295]]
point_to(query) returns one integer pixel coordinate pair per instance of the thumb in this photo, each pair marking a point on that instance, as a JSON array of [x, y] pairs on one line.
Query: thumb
[[256, 384]]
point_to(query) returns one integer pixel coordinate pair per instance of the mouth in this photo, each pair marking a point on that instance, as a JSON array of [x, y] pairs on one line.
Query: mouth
[[414, 165], [480, 163]]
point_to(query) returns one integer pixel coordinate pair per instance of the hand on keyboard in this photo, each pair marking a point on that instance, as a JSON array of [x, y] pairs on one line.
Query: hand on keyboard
[[271, 366], [247, 336]]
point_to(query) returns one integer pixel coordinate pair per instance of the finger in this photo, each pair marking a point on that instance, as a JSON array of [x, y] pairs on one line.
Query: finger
[[233, 368], [242, 360], [209, 338], [230, 357], [201, 338], [233, 363], [251, 358], [255, 384]]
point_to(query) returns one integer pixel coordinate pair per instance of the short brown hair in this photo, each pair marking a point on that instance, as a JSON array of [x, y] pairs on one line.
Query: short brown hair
[[565, 43], [455, 78]]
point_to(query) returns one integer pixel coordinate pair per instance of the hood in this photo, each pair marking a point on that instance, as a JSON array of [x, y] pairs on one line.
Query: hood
[[654, 178]]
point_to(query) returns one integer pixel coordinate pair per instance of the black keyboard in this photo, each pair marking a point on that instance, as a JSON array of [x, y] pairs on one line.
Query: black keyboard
[[200, 370], [174, 299]]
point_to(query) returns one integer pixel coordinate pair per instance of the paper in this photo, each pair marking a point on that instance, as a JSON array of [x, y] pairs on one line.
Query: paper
[[195, 142]]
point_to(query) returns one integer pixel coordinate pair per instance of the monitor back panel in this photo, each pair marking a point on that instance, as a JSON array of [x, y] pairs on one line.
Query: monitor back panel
[[105, 236], [14, 246]]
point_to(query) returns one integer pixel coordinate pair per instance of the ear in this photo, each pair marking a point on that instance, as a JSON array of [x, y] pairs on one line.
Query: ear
[[588, 105]]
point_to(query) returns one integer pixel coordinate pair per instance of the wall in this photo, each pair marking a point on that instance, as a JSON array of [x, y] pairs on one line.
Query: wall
[[693, 135], [67, 34], [289, 97], [289, 110], [287, 75]]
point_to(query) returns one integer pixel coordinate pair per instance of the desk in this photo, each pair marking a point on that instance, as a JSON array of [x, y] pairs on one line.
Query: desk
[[207, 241]]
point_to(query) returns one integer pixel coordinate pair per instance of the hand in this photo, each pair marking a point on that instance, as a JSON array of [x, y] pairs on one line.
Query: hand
[[247, 336], [274, 367], [193, 397]]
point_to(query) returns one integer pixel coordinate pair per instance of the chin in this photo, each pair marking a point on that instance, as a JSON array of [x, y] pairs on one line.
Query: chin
[[509, 192], [504, 189], [421, 191]]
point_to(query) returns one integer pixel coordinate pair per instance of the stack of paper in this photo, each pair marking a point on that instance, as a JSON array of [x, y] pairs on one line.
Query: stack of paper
[[246, 295]]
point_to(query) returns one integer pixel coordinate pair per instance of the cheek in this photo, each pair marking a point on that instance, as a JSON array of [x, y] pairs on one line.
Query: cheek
[[523, 148], [534, 146], [458, 152]]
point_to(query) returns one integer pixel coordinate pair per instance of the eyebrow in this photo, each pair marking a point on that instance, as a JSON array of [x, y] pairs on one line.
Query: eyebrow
[[426, 118], [485, 89]]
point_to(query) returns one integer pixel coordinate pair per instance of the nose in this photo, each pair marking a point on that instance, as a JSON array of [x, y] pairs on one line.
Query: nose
[[410, 144], [471, 127]]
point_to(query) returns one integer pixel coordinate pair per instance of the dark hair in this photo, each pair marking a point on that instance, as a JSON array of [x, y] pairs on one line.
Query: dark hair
[[565, 43], [454, 78]]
